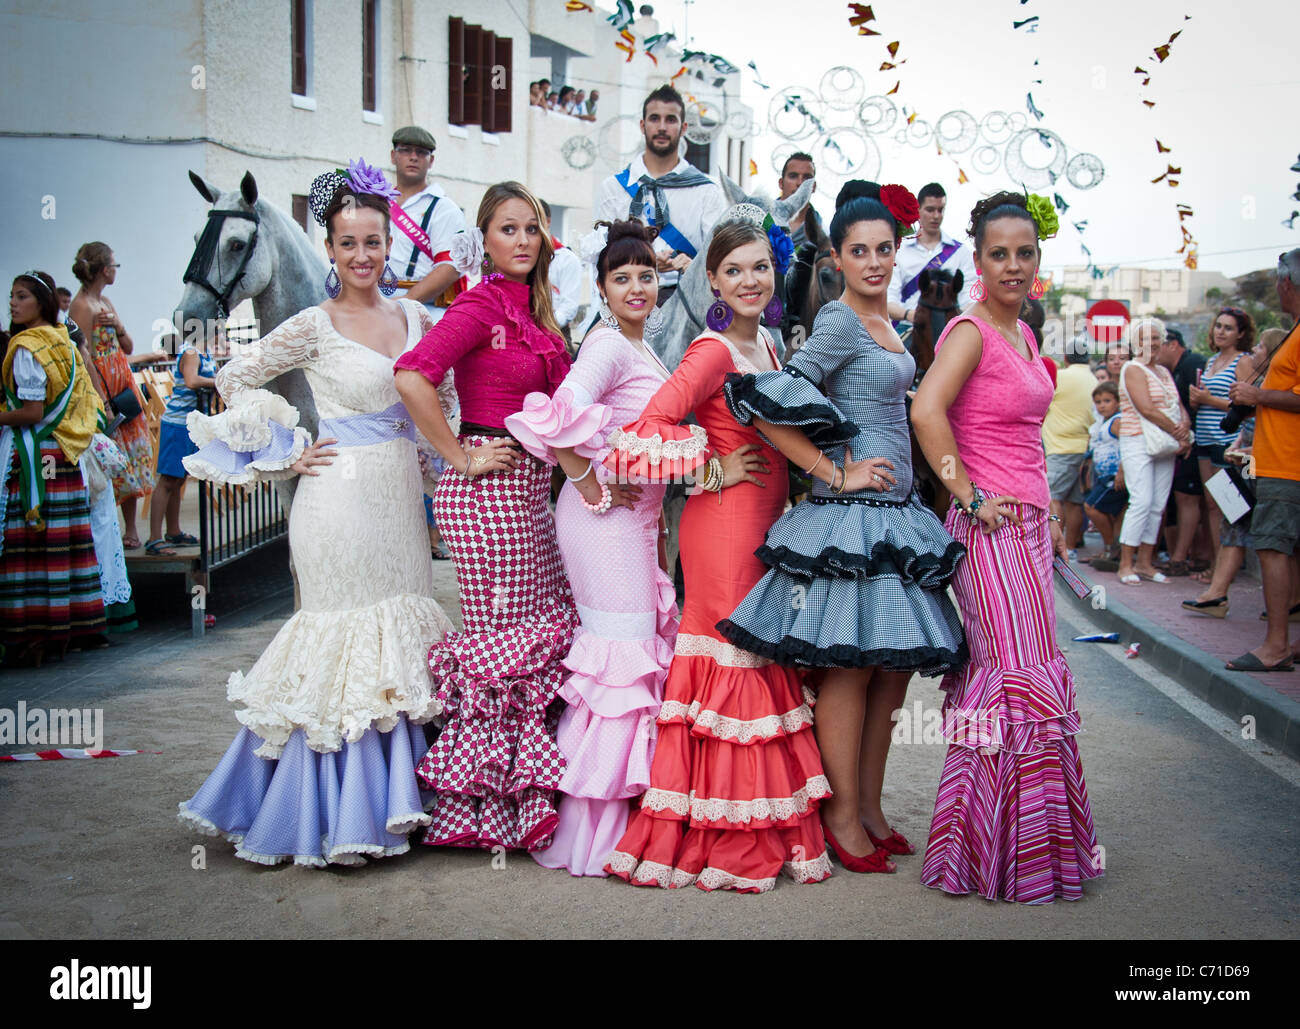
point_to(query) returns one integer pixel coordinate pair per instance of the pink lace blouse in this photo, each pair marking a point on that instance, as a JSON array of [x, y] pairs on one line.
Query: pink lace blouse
[[499, 354]]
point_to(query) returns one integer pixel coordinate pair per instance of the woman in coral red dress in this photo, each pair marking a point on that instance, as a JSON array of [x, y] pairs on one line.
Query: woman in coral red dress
[[736, 777]]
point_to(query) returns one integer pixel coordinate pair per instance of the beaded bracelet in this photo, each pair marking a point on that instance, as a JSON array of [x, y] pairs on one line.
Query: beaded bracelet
[[601, 506]]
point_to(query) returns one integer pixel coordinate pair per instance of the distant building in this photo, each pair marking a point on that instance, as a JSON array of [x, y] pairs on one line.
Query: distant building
[[107, 106], [1145, 290]]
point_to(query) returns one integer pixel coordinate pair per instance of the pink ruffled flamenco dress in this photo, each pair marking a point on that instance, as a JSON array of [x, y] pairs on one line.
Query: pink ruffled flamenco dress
[[623, 647]]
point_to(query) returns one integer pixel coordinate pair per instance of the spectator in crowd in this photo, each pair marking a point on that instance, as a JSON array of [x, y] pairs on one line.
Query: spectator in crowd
[[1102, 374], [65, 301], [798, 168], [566, 99], [579, 109], [592, 100], [1185, 367], [195, 370], [1065, 440], [1116, 354], [1231, 338], [930, 248], [110, 347], [1148, 397], [1275, 521], [536, 98], [1106, 500], [552, 101], [566, 274]]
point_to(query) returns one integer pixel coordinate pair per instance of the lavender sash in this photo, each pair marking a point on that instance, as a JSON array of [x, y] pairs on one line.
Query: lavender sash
[[363, 430]]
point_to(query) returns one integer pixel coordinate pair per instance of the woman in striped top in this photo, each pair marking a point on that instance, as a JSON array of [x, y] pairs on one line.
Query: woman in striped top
[[1231, 338]]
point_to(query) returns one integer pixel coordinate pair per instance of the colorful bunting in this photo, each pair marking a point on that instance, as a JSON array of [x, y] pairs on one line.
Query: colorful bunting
[[574, 6], [1025, 21], [623, 14], [1032, 107]]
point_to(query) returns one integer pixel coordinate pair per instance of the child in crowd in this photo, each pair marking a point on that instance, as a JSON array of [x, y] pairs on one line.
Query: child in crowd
[[195, 370], [1105, 502]]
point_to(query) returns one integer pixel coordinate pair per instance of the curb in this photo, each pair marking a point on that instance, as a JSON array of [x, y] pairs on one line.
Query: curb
[[1236, 694]]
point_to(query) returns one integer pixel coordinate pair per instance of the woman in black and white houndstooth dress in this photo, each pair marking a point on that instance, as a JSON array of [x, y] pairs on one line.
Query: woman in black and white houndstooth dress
[[857, 580]]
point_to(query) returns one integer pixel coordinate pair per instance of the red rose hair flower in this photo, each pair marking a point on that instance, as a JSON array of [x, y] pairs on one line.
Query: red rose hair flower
[[901, 203]]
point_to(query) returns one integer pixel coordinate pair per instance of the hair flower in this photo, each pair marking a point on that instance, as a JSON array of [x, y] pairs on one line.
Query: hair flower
[[591, 245], [903, 206], [366, 178], [467, 250], [782, 247], [1043, 212]]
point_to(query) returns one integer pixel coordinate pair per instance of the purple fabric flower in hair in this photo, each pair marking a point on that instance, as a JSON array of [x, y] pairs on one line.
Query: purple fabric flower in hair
[[367, 179]]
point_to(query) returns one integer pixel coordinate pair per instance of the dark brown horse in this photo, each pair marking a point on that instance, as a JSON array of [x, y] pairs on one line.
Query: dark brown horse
[[937, 306]]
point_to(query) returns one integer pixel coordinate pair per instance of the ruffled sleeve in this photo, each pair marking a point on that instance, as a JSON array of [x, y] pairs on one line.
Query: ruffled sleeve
[[573, 416], [655, 447], [257, 437]]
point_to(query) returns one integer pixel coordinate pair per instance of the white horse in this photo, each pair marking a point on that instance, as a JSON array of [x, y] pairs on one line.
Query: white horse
[[249, 249]]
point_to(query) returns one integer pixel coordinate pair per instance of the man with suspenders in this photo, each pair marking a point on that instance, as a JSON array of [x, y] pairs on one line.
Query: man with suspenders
[[931, 248], [664, 190], [424, 221]]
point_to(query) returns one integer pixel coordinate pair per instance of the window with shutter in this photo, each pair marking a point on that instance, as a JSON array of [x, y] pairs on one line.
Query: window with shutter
[[300, 210], [501, 98], [369, 55], [473, 82], [456, 71], [486, 61], [298, 45]]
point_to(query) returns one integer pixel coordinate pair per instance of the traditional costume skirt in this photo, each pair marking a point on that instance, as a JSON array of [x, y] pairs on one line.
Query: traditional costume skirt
[[49, 578], [495, 765], [1012, 818], [136, 479]]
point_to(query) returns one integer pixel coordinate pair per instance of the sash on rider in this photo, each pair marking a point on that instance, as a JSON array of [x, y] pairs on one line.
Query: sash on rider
[[668, 232], [933, 265], [420, 237]]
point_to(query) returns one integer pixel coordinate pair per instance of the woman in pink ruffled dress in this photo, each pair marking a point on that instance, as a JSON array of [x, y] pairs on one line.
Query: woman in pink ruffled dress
[[608, 536]]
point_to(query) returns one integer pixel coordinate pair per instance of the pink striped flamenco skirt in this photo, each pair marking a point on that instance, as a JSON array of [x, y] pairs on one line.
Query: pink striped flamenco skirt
[[1012, 818]]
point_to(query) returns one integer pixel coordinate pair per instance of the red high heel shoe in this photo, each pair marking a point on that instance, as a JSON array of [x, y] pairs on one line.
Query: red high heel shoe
[[876, 861], [894, 843]]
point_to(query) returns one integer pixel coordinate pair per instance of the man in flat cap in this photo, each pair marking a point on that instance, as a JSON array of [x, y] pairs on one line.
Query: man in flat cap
[[425, 220]]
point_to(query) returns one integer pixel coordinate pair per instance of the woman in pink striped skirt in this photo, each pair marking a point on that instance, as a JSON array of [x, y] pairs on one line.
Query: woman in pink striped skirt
[[1012, 818]]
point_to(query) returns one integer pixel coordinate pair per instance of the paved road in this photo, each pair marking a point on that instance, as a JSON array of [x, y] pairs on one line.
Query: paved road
[[1198, 825]]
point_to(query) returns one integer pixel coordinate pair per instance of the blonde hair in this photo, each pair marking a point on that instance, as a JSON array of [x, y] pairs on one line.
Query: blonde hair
[[539, 281]]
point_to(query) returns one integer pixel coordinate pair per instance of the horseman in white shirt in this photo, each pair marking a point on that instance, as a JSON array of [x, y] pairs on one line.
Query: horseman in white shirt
[[424, 220], [931, 248], [662, 189], [566, 273]]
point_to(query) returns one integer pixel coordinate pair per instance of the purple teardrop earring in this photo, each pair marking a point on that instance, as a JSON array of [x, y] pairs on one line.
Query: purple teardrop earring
[[719, 316], [388, 281], [774, 311], [332, 285]]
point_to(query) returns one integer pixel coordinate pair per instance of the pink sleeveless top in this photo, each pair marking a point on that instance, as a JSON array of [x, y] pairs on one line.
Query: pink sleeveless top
[[997, 418]]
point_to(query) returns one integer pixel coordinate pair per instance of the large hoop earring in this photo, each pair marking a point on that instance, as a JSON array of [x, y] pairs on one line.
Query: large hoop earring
[[719, 316], [977, 290], [606, 315], [654, 322]]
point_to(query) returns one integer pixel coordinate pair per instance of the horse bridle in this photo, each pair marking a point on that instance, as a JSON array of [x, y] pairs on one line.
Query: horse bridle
[[208, 245]]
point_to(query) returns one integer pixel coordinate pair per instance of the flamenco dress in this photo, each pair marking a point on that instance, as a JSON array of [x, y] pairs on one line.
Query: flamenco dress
[[136, 478], [736, 776], [323, 770], [856, 579], [1012, 818], [495, 765], [623, 647]]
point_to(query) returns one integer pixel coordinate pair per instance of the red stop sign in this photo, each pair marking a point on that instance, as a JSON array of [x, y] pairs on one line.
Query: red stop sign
[[1107, 320]]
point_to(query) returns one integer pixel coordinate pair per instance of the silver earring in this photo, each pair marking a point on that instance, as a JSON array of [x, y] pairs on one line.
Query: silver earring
[[607, 316], [654, 321]]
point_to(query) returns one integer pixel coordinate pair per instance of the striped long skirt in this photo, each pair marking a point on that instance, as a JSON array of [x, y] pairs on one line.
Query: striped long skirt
[[1012, 819], [49, 578]]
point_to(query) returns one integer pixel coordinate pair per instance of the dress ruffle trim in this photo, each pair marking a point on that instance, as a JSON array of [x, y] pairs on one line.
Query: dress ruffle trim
[[793, 650], [784, 398], [336, 675], [766, 811], [495, 764], [218, 462], [738, 706], [654, 451], [853, 541], [311, 808], [1023, 710], [548, 423]]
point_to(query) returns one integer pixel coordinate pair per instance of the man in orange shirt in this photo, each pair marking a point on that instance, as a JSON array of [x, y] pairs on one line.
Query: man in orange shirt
[[1275, 522]]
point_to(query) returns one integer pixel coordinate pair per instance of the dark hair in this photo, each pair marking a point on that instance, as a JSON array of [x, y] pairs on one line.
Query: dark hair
[[1106, 387], [727, 236], [930, 189], [665, 94], [990, 209], [565, 91], [344, 197], [63, 291], [860, 209], [1245, 327], [856, 188], [546, 208], [797, 156], [629, 242], [1174, 336], [41, 286], [543, 82], [92, 258]]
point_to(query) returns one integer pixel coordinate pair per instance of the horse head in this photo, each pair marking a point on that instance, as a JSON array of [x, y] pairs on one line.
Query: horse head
[[935, 307], [228, 266]]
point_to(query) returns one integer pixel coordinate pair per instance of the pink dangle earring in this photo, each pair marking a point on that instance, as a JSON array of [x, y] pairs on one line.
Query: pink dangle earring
[[1037, 290], [977, 290]]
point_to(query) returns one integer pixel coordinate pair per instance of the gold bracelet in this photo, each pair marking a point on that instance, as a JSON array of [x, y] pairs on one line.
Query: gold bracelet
[[844, 480]]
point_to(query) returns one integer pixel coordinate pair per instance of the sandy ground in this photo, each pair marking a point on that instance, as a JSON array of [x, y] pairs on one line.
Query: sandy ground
[[1199, 830]]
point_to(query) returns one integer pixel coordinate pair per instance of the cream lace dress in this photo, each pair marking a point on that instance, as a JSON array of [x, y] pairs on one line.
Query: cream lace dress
[[352, 659]]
